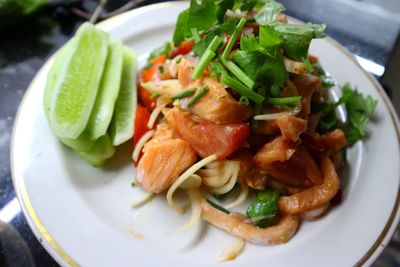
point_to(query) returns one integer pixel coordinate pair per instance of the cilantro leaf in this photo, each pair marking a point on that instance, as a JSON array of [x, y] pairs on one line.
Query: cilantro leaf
[[179, 33], [228, 27], [251, 62], [216, 69], [297, 38], [265, 205], [359, 110], [165, 49], [261, 67], [222, 7], [201, 16], [269, 38], [269, 12], [250, 43]]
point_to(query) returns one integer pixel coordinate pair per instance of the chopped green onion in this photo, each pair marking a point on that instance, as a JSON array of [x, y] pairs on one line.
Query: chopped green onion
[[203, 63], [206, 58], [161, 69], [257, 108], [184, 94], [196, 35], [275, 90], [244, 100], [218, 207], [241, 88], [233, 38], [308, 64], [243, 77], [214, 43], [290, 101], [154, 95], [198, 96]]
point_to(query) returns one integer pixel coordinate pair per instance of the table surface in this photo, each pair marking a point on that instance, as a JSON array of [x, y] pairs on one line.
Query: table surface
[[25, 46]]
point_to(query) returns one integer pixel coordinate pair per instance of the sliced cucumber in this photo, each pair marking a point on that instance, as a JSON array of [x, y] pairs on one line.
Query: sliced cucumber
[[81, 144], [100, 153], [62, 56], [121, 126], [76, 87], [103, 109]]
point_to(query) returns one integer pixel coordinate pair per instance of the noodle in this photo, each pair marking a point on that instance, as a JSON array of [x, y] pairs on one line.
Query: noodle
[[195, 205], [140, 144], [183, 177], [274, 116], [162, 102], [232, 250], [221, 176], [244, 191], [141, 201]]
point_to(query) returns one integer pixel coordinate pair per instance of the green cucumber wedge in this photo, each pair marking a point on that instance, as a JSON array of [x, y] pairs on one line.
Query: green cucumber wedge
[[103, 109], [100, 153], [76, 87], [121, 127], [83, 143], [63, 55], [96, 152]]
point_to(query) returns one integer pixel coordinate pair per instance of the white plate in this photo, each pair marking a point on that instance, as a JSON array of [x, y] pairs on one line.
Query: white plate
[[82, 215]]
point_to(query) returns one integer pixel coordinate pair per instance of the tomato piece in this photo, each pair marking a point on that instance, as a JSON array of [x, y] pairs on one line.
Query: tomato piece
[[184, 48], [208, 138], [141, 119], [147, 75]]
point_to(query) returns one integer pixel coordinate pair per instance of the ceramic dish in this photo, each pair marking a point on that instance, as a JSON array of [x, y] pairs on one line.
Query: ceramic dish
[[82, 215]]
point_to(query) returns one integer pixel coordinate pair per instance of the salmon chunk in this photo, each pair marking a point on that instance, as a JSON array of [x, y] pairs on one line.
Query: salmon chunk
[[164, 159]]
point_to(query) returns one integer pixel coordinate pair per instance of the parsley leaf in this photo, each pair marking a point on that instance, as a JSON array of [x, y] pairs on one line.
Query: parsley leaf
[[269, 12]]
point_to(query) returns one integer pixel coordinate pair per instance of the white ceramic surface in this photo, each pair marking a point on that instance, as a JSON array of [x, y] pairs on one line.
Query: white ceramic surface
[[82, 214]]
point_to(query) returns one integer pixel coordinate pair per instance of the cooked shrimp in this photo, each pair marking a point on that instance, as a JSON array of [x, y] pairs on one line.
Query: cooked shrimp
[[291, 127], [307, 84], [334, 140], [277, 150], [314, 197], [294, 167], [235, 225]]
